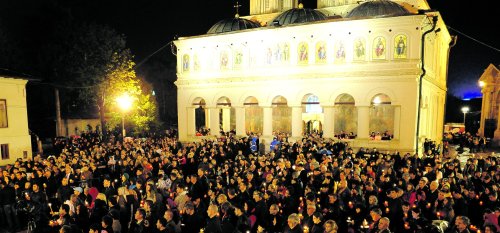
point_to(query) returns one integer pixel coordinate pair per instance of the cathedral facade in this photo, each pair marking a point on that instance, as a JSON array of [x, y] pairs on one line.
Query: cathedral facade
[[373, 73]]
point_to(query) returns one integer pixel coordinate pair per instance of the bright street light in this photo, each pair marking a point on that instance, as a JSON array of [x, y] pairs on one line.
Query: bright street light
[[125, 103], [465, 110]]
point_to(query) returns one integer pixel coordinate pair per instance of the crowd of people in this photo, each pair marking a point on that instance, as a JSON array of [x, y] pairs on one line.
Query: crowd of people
[[158, 184]]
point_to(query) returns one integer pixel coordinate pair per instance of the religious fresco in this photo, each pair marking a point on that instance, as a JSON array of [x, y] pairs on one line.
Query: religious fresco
[[185, 63], [196, 61], [303, 53], [359, 49], [379, 48], [269, 56], [224, 60], [281, 52], [321, 52], [238, 58], [339, 51], [400, 46]]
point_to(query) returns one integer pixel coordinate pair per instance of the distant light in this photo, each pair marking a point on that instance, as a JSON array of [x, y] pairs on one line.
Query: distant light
[[465, 109], [377, 100], [466, 99], [482, 84]]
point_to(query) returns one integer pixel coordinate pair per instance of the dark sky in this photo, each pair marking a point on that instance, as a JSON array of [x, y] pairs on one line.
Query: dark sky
[[150, 24]]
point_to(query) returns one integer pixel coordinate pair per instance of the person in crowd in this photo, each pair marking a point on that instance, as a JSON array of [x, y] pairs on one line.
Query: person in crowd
[[320, 184]]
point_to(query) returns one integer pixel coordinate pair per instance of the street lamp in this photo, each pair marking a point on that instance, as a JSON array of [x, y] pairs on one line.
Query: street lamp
[[465, 110], [125, 103]]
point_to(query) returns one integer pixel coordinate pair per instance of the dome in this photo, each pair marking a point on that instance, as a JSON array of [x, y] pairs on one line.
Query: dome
[[234, 24], [378, 8], [299, 15]]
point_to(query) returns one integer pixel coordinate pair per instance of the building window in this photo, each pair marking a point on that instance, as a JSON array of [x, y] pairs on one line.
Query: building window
[[4, 151], [3, 114]]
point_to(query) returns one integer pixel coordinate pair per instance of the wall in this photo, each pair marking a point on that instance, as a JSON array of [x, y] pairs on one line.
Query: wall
[[17, 133]]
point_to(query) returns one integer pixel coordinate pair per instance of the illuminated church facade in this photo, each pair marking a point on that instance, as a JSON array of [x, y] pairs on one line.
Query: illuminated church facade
[[372, 70]]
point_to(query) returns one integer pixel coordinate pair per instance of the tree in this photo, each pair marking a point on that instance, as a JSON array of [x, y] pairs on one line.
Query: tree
[[93, 60]]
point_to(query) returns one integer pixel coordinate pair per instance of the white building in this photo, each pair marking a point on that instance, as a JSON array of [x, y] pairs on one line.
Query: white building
[[15, 141], [368, 68]]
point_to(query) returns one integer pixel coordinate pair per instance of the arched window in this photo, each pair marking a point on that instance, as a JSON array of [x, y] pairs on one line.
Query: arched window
[[346, 116], [381, 117]]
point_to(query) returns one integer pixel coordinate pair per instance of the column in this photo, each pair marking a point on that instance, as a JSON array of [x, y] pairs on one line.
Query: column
[[397, 121], [268, 121], [213, 121], [191, 121], [485, 109], [363, 122], [182, 124], [328, 122], [240, 121], [297, 121], [226, 119]]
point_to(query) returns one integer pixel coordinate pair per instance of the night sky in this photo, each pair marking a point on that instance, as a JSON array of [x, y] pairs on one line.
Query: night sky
[[150, 24]]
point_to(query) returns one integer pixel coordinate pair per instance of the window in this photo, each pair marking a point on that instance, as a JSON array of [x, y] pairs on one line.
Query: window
[[3, 114], [4, 151]]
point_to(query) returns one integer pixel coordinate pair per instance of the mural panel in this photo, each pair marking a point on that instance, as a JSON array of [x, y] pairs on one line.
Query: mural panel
[[359, 49], [400, 46], [379, 48]]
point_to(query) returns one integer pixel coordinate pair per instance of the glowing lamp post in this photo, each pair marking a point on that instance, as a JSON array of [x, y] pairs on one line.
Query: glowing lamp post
[[465, 110], [125, 103]]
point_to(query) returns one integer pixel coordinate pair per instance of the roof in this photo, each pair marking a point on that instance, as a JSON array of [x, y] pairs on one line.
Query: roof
[[378, 8], [234, 24], [299, 15], [6, 73]]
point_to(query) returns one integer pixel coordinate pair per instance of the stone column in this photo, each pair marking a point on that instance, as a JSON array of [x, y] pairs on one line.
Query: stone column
[[240, 121], [485, 109], [191, 121], [268, 121], [213, 121], [329, 122], [226, 119], [363, 122], [297, 121], [397, 121]]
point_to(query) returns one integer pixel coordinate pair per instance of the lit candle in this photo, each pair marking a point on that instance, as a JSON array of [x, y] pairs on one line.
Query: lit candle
[[387, 210], [407, 226], [306, 229], [428, 205], [438, 215], [386, 203], [481, 203]]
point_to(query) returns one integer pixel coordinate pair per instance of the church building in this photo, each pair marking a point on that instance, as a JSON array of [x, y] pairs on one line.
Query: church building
[[370, 72]]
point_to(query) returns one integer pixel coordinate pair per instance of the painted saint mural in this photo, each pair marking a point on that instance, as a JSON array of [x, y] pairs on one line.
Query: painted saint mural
[[400, 46], [339, 51], [224, 60], [238, 58], [185, 63], [321, 52], [359, 49], [379, 45], [303, 54]]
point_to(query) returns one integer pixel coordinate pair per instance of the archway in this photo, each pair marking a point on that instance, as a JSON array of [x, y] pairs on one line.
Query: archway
[[282, 120], [200, 115], [346, 117], [227, 119], [312, 114], [253, 115], [381, 117]]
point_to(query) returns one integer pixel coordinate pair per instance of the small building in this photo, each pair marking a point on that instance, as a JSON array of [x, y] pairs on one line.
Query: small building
[[15, 140], [490, 87]]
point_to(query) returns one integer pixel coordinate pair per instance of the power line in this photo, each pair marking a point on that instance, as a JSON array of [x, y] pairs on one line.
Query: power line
[[476, 40], [152, 54]]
